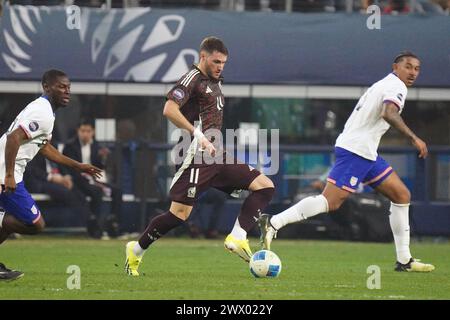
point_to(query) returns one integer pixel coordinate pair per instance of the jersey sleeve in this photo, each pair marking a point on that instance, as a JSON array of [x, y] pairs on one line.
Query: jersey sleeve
[[184, 89], [36, 122], [396, 94]]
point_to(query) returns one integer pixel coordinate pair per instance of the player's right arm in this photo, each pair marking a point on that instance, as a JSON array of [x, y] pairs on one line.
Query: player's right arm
[[391, 115], [13, 141], [172, 112], [52, 154]]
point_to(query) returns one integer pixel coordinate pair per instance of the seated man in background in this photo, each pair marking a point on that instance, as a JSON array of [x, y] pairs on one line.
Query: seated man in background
[[42, 176], [84, 147]]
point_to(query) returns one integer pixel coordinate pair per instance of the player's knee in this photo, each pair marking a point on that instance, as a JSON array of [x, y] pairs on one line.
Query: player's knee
[[333, 206], [402, 196], [261, 182], [269, 183], [38, 227], [181, 211]]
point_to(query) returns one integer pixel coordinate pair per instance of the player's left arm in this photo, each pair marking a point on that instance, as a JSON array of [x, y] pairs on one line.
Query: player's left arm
[[391, 115], [52, 154]]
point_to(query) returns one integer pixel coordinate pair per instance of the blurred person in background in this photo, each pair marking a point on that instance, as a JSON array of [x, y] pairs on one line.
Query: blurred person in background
[[396, 7], [84, 147], [42, 176]]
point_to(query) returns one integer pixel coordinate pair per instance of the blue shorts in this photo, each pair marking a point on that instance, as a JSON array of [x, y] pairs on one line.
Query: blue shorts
[[20, 204], [351, 169]]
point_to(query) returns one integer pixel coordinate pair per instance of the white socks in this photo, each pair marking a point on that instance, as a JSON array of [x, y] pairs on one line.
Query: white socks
[[399, 221], [238, 232], [2, 214], [302, 210], [137, 250]]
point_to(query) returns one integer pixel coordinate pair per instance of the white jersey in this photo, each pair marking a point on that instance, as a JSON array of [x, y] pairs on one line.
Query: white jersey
[[365, 126], [37, 121]]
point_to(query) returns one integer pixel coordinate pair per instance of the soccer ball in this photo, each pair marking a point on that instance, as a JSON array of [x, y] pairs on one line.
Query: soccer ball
[[265, 264]]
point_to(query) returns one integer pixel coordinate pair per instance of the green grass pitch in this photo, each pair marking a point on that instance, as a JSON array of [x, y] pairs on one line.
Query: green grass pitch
[[182, 268]]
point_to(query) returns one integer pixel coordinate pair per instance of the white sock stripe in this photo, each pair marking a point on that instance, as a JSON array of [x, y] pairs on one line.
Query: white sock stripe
[[400, 204], [2, 215]]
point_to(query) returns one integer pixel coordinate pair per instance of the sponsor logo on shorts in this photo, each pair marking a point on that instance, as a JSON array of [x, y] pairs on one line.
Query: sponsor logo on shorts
[[353, 181], [178, 94], [33, 126], [191, 192]]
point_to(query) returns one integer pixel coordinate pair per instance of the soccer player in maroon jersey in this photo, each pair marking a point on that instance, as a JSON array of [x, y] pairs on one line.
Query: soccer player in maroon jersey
[[196, 104]]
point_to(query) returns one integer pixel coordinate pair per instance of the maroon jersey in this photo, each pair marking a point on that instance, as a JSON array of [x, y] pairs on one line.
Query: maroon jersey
[[200, 99]]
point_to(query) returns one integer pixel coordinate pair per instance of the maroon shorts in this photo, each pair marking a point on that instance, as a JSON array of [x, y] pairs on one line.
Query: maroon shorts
[[188, 184]]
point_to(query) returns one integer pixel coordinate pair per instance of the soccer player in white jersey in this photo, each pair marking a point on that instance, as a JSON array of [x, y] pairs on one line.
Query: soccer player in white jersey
[[357, 161], [29, 134]]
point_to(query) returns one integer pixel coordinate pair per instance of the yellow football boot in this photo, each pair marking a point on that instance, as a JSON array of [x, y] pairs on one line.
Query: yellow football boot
[[132, 262], [240, 247]]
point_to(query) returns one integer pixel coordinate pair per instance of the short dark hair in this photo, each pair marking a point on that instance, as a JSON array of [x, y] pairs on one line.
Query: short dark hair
[[86, 122], [405, 54], [51, 75], [211, 44]]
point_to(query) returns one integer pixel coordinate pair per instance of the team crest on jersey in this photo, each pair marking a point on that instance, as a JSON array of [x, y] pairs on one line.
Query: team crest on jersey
[[33, 126], [34, 209], [178, 94], [191, 192], [353, 181], [400, 97]]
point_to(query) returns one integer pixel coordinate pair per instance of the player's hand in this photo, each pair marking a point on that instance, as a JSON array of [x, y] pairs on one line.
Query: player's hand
[[91, 170], [420, 145], [205, 144], [10, 184]]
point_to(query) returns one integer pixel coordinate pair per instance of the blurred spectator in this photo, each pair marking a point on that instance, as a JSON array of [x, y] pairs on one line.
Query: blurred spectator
[[433, 6], [85, 149], [207, 214], [232, 5], [313, 5], [88, 3], [43, 176], [365, 4], [396, 7]]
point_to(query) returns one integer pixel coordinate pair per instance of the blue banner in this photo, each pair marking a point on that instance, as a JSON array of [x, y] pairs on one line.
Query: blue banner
[[157, 46]]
